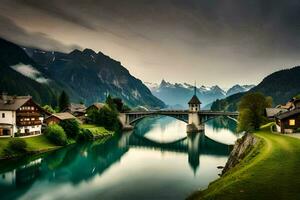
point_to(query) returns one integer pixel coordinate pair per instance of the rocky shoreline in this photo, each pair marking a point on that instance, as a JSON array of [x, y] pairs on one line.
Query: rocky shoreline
[[240, 150]]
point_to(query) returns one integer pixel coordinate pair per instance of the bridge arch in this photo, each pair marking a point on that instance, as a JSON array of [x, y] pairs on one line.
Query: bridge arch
[[216, 116], [195, 120], [138, 118]]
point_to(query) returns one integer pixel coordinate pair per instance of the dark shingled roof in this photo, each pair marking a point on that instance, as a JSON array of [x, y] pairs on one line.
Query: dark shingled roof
[[13, 103], [194, 100], [73, 107], [287, 114], [97, 105]]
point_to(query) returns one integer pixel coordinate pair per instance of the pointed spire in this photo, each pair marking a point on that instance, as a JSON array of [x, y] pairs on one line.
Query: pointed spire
[[195, 88]]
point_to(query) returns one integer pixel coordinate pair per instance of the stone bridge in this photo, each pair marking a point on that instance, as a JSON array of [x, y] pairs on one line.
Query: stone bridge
[[195, 119]]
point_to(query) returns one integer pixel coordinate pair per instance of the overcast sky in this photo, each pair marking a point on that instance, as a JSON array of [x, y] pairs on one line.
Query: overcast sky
[[211, 41]]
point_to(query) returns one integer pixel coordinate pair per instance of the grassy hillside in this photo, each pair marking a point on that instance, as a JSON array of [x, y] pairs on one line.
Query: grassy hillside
[[270, 171]]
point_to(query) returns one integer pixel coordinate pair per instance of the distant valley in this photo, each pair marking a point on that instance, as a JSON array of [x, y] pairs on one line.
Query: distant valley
[[178, 94]]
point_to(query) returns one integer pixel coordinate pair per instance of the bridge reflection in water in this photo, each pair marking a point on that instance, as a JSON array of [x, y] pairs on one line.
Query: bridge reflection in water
[[194, 145]]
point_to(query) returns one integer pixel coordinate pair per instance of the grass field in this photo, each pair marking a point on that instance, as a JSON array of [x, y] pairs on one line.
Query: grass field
[[270, 171], [97, 130], [37, 143]]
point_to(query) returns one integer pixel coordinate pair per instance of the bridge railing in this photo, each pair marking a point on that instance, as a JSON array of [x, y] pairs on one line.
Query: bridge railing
[[209, 112]]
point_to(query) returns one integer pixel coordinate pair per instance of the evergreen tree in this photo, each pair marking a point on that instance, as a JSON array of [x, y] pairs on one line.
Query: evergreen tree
[[109, 101], [63, 101]]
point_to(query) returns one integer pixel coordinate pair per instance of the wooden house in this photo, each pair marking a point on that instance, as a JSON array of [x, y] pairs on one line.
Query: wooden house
[[94, 106], [77, 110], [20, 116], [289, 121], [58, 117]]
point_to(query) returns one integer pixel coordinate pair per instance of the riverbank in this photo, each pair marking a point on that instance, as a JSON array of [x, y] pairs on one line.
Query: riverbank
[[40, 144], [97, 131], [269, 171], [35, 144]]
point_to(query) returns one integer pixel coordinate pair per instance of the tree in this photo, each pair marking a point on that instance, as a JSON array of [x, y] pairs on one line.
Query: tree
[[105, 117], [110, 102], [108, 118], [251, 111], [56, 134], [48, 108], [118, 104], [63, 101], [71, 127], [219, 105]]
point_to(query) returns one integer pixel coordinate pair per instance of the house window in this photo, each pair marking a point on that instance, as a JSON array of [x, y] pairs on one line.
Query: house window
[[3, 115], [292, 122]]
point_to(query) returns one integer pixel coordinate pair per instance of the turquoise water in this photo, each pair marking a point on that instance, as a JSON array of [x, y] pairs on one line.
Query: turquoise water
[[155, 161]]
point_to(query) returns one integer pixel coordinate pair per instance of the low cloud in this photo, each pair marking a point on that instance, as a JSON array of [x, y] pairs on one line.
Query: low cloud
[[30, 72]]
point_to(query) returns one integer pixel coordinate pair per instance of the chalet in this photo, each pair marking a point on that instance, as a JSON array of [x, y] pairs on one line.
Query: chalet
[[77, 110], [289, 121], [271, 112], [94, 106], [58, 117], [20, 116]]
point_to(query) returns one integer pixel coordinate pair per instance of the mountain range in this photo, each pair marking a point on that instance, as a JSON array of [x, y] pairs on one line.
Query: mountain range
[[281, 86], [178, 94], [85, 75]]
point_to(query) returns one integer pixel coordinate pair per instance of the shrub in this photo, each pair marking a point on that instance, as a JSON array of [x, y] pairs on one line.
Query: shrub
[[71, 127], [56, 134], [49, 109], [16, 145], [85, 135], [298, 130]]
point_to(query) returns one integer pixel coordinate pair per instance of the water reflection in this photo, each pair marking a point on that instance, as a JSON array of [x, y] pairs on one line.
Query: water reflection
[[134, 165], [222, 130]]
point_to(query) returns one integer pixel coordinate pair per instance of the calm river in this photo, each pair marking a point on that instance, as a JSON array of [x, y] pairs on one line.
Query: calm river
[[155, 161]]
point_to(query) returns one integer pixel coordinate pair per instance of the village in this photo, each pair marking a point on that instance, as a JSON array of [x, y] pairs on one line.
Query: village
[[21, 116], [26, 127]]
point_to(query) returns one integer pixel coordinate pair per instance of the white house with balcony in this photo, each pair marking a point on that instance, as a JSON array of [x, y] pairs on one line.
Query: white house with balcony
[[20, 116]]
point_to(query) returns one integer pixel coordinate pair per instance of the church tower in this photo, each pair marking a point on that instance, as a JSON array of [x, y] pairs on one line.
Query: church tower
[[194, 103], [194, 122]]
